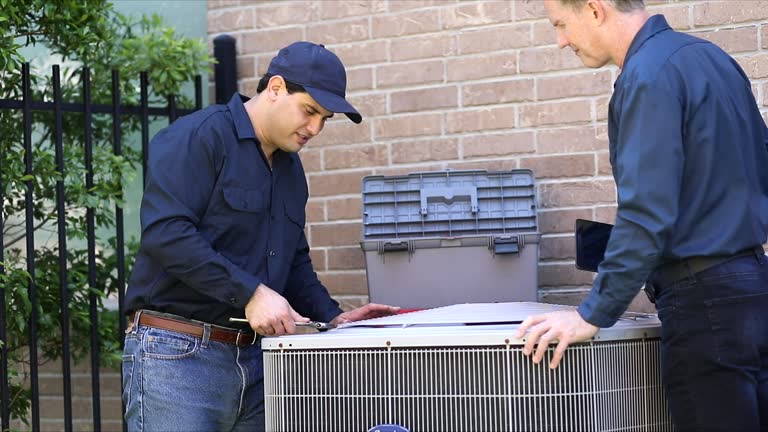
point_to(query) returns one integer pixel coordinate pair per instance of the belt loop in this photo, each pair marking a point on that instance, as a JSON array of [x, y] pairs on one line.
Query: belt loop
[[206, 335], [136, 319]]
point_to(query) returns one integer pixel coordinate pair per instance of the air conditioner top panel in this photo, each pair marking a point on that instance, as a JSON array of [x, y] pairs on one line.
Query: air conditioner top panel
[[473, 324]]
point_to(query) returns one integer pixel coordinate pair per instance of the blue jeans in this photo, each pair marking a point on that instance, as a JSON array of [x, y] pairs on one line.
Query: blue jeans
[[714, 350], [176, 382]]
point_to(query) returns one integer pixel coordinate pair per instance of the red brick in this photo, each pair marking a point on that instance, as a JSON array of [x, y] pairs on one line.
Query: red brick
[[405, 170], [340, 9], [495, 39], [335, 234], [341, 131], [246, 67], [498, 144], [311, 159], [551, 113], [765, 96], [560, 297], [315, 210], [579, 193], [560, 165], [359, 53], [350, 302], [729, 12], [216, 4], [606, 214], [223, 21], [548, 59], [481, 119], [476, 14], [356, 156], [755, 66], [423, 47], [561, 221], [288, 13], [732, 40], [408, 126], [398, 75], [498, 92], [359, 79], [344, 208], [678, 16], [483, 66], [369, 105], [490, 165], [344, 283], [336, 183], [604, 163], [563, 275], [764, 38], [424, 99], [572, 85], [572, 139], [557, 248], [543, 33], [319, 262], [601, 108], [401, 5], [532, 9], [248, 87], [269, 41], [348, 258], [436, 149], [406, 23], [338, 32]]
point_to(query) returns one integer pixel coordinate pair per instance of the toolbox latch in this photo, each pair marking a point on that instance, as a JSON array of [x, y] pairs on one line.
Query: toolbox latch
[[506, 245]]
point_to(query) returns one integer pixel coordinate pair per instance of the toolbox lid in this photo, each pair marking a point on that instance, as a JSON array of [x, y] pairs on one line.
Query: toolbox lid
[[449, 204]]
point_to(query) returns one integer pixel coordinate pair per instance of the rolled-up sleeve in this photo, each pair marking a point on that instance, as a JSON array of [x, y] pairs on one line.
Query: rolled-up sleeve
[[647, 165], [184, 165]]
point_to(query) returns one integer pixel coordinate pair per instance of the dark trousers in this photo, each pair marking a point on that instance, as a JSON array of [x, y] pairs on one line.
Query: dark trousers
[[714, 353]]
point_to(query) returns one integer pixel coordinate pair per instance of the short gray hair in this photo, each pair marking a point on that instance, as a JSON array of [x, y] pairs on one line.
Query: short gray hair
[[620, 5]]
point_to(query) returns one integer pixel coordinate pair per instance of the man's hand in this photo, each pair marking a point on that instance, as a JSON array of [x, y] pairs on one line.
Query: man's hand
[[269, 314], [371, 310], [564, 326]]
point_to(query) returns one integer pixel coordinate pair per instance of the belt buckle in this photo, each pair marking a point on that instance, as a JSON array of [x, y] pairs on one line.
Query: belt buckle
[[240, 333]]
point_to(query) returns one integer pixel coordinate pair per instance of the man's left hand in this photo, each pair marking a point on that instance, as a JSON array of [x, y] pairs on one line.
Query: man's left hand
[[564, 326], [369, 311]]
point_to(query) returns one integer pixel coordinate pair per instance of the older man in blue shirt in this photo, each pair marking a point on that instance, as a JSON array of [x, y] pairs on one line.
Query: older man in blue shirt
[[223, 236], [688, 151]]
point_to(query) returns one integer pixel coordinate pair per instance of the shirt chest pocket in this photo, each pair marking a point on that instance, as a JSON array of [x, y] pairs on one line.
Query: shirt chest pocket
[[245, 200]]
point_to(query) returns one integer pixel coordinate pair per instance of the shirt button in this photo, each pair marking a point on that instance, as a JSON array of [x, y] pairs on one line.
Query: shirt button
[[272, 253], [232, 300]]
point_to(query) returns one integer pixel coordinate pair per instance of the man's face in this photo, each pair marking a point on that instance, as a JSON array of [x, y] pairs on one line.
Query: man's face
[[294, 120], [577, 28]]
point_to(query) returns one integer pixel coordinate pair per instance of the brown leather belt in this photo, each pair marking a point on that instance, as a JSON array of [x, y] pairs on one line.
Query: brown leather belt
[[241, 338]]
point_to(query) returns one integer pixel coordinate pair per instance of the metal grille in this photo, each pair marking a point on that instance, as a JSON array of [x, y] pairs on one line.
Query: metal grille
[[599, 386]]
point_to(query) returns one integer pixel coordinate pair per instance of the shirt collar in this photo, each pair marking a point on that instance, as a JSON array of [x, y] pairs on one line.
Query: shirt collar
[[655, 24], [243, 125]]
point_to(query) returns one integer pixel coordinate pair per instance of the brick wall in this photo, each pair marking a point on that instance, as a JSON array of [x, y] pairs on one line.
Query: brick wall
[[471, 84]]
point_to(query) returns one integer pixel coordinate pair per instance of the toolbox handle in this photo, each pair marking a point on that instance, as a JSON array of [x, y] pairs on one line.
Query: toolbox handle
[[449, 196]]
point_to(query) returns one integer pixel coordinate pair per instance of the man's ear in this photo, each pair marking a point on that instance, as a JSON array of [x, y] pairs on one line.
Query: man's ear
[[596, 10], [275, 84]]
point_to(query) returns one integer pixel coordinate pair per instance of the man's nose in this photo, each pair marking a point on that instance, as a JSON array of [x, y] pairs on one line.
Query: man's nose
[[315, 125], [562, 42]]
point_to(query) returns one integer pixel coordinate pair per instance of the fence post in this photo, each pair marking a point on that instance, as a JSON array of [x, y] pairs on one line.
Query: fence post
[[225, 69]]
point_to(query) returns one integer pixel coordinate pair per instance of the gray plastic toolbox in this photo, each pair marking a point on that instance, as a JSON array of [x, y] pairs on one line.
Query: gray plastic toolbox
[[440, 238]]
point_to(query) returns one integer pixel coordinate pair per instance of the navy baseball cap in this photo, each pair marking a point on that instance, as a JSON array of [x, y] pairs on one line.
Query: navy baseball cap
[[319, 71]]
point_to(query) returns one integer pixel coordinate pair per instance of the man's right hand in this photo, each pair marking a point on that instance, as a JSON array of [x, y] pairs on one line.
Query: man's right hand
[[269, 313]]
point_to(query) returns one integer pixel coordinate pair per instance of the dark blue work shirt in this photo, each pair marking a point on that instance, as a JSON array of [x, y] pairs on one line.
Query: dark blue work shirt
[[688, 151], [217, 221]]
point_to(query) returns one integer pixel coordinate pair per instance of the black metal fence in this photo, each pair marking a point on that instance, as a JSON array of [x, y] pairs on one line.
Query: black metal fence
[[88, 109]]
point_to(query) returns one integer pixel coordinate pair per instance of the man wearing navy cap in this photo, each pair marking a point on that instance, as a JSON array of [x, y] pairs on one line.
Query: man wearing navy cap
[[222, 222]]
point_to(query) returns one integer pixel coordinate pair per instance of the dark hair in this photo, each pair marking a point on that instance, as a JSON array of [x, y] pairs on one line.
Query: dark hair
[[621, 5], [289, 86]]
